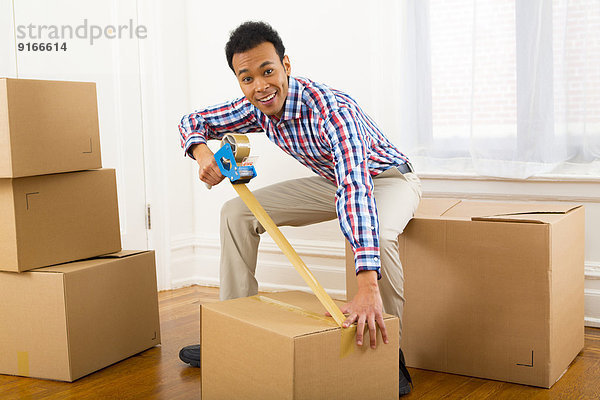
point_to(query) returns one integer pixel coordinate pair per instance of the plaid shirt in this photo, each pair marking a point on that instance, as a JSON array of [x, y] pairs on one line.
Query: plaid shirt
[[327, 131]]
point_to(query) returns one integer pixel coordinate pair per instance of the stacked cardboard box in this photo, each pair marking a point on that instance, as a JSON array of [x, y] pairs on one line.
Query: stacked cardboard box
[[493, 289], [73, 312]]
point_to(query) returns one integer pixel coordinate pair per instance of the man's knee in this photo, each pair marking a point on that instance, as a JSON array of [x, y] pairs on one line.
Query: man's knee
[[388, 240], [233, 209], [234, 212]]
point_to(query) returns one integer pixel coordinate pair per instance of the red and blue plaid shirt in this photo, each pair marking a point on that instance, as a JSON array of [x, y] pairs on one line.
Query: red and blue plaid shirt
[[327, 131]]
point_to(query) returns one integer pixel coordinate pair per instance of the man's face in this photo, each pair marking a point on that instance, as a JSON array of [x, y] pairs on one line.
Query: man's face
[[263, 77]]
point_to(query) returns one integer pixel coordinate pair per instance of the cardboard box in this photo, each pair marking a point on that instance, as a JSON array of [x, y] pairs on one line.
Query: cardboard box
[[47, 127], [52, 219], [69, 320], [494, 289], [255, 349]]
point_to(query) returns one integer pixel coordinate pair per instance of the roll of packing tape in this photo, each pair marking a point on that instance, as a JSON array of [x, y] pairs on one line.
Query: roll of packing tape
[[240, 145]]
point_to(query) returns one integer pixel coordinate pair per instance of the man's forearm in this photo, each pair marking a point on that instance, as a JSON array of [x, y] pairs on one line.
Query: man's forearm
[[198, 150]]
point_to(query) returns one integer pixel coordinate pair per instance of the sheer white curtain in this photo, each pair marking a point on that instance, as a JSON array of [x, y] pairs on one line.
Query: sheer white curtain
[[506, 88]]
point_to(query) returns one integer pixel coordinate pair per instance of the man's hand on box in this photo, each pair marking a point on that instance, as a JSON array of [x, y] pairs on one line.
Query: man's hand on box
[[208, 170], [366, 308]]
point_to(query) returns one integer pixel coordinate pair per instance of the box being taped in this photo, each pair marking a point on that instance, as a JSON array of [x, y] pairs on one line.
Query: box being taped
[[494, 290], [280, 346], [66, 321], [47, 127]]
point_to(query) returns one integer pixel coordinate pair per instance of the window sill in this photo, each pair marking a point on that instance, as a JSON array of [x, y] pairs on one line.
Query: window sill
[[540, 178]]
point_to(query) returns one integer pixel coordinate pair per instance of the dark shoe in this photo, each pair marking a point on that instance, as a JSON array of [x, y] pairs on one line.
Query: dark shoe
[[405, 380], [191, 355]]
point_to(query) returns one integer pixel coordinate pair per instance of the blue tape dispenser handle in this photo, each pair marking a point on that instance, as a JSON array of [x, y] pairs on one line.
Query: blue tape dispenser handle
[[226, 162], [228, 166]]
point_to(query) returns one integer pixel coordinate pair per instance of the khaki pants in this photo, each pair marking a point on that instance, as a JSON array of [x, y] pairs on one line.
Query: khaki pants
[[306, 201]]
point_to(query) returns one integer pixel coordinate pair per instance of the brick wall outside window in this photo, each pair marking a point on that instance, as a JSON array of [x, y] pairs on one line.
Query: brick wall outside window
[[473, 66]]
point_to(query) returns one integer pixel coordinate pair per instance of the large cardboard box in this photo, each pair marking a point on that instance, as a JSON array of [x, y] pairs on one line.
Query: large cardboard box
[[279, 346], [47, 127], [51, 219], [494, 289], [69, 320]]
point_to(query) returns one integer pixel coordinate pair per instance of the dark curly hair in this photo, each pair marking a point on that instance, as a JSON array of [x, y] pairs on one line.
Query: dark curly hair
[[249, 35]]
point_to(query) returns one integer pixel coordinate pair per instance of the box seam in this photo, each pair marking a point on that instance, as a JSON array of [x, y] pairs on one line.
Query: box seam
[[15, 226], [445, 224], [549, 310], [111, 256], [67, 331], [8, 130], [536, 212], [97, 122], [322, 330], [294, 369], [66, 264], [507, 220], [271, 330]]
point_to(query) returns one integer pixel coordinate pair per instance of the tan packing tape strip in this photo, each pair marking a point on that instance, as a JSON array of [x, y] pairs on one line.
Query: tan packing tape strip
[[285, 246], [347, 338], [23, 363]]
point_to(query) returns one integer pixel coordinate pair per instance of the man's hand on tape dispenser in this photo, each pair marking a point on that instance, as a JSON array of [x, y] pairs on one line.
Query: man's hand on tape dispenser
[[208, 170]]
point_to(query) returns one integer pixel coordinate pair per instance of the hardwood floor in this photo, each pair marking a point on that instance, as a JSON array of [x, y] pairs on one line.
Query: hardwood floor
[[158, 374]]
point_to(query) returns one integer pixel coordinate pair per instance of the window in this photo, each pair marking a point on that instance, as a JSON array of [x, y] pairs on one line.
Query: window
[[515, 85]]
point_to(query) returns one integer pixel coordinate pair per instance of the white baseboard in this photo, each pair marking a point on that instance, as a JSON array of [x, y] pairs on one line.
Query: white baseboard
[[195, 261], [592, 271], [592, 322], [194, 280], [320, 248], [263, 287]]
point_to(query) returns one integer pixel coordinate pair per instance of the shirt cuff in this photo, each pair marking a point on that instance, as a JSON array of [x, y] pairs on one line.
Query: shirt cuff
[[367, 259], [192, 140]]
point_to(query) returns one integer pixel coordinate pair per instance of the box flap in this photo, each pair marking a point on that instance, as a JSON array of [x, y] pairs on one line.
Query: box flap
[[532, 218], [122, 253], [542, 213], [435, 207], [278, 319], [83, 264]]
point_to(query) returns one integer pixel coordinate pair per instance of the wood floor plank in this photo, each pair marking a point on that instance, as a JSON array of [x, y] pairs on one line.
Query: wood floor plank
[[158, 374]]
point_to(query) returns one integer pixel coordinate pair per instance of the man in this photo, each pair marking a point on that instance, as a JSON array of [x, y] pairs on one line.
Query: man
[[362, 178]]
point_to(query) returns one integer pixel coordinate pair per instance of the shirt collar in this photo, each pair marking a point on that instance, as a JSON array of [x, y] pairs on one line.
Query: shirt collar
[[293, 103]]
